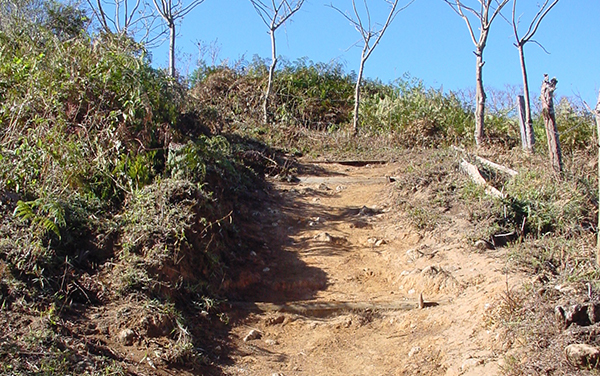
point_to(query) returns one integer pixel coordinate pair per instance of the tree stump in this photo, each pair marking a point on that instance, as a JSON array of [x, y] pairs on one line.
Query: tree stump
[[548, 87]]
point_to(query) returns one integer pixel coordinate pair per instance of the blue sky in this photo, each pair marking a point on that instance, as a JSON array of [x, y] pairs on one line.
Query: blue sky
[[427, 40]]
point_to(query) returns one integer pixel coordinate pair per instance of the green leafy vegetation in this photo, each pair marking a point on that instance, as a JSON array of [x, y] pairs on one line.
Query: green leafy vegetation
[[415, 115], [109, 189]]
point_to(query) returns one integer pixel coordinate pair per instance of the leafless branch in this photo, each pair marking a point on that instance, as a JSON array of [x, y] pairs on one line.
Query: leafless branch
[[380, 33], [129, 17], [457, 7], [540, 45], [367, 32], [483, 16], [535, 22], [276, 14]]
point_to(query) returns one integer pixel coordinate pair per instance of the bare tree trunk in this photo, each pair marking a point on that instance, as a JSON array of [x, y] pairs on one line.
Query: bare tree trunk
[[530, 137], [479, 99], [485, 22], [367, 32], [548, 87], [357, 90], [274, 14], [172, 49], [266, 117]]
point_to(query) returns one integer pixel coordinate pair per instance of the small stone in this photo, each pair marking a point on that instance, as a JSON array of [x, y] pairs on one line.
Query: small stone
[[126, 337], [471, 363], [430, 271], [275, 320], [415, 350], [414, 254], [271, 342], [314, 221], [580, 314], [324, 187], [582, 355], [267, 269], [559, 313], [483, 245], [252, 335], [156, 325], [365, 211], [323, 237], [380, 242]]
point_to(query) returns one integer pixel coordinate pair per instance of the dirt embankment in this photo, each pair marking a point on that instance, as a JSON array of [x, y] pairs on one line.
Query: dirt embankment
[[340, 282]]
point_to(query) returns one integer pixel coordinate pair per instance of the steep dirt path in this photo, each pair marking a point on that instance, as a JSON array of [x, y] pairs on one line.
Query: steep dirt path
[[338, 293]]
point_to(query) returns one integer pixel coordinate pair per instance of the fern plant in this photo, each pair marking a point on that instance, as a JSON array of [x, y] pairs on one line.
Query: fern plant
[[42, 213]]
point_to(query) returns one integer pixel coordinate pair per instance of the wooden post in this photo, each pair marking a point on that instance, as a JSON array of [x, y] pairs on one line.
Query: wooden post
[[522, 121], [548, 87]]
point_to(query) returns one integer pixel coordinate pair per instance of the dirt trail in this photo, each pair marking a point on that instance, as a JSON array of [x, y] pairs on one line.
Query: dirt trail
[[338, 293]]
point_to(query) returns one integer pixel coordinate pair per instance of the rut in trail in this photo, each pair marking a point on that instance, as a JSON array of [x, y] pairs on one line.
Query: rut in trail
[[341, 277]]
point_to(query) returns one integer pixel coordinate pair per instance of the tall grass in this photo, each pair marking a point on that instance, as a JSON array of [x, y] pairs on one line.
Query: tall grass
[[416, 115]]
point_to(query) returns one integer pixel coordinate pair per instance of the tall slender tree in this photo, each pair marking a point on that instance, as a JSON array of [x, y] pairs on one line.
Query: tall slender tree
[[370, 34], [484, 15], [520, 44], [172, 11], [274, 14]]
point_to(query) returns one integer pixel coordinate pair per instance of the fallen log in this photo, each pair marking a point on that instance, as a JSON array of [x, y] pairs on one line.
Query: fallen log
[[496, 166], [489, 163], [473, 172]]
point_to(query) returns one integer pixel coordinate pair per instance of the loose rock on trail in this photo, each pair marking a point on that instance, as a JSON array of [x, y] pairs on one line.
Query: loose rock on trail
[[342, 273]]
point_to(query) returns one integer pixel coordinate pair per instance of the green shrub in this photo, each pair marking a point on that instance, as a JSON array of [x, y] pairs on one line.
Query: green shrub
[[546, 206], [576, 125], [305, 94], [160, 223], [313, 95], [415, 115]]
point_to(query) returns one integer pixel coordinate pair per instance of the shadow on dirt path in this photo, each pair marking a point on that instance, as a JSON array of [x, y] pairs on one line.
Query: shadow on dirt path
[[296, 230], [334, 285], [273, 272]]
